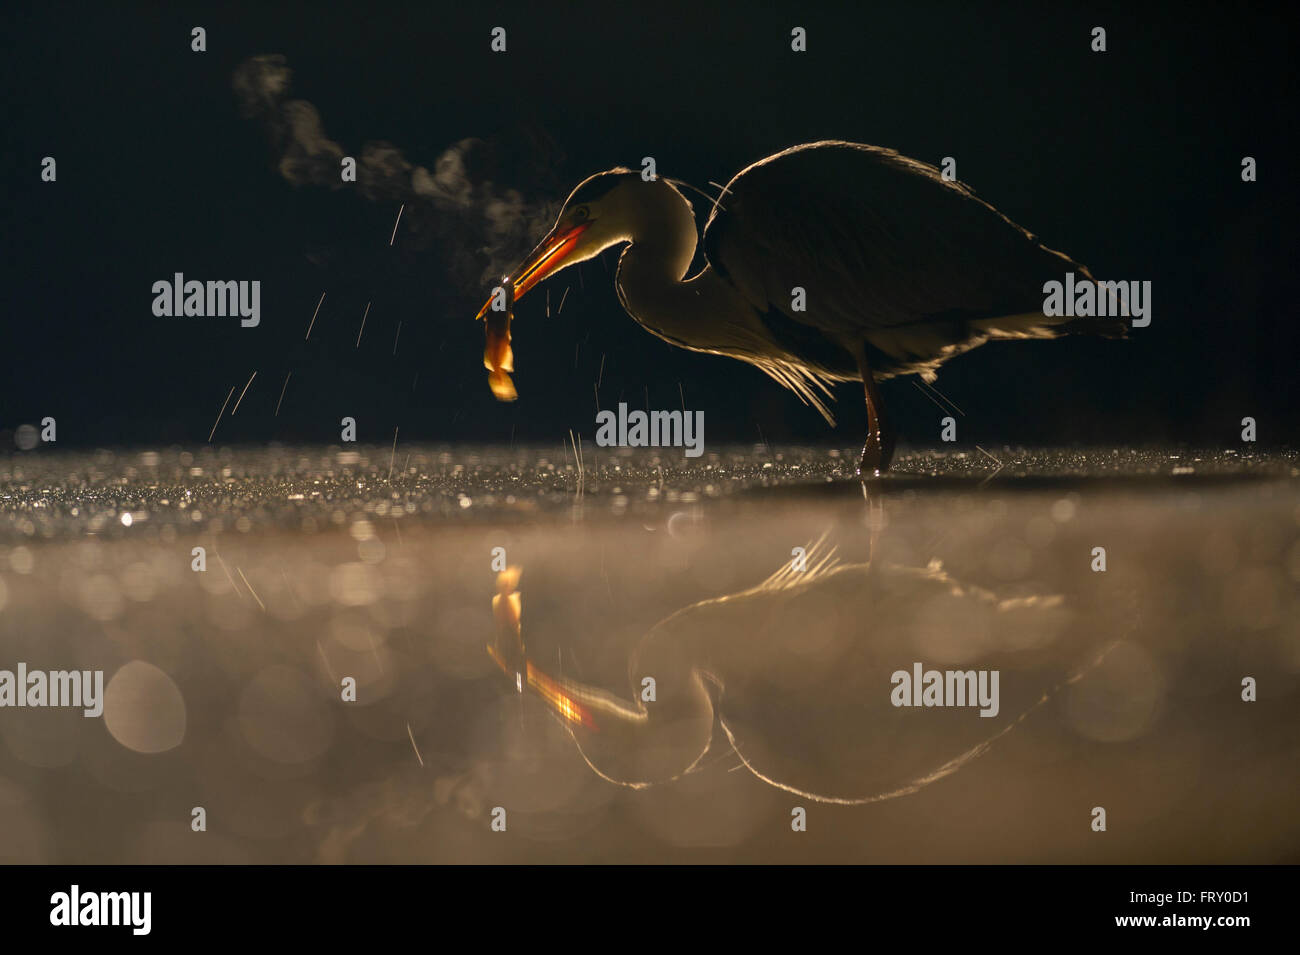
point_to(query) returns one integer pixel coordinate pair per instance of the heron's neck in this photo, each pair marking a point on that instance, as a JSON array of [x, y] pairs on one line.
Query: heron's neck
[[694, 313], [629, 742]]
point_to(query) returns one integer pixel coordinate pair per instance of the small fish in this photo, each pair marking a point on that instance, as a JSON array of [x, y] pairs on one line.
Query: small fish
[[498, 357], [508, 650]]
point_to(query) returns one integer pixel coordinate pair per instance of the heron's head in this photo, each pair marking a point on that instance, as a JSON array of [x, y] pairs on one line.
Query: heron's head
[[606, 209]]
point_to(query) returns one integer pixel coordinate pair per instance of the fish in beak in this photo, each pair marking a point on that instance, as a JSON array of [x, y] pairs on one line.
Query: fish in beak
[[498, 356], [498, 310]]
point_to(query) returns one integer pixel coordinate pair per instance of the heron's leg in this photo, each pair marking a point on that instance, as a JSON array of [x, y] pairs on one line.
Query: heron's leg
[[879, 448]]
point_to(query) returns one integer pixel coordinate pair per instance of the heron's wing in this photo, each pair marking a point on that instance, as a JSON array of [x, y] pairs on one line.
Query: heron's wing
[[884, 248]]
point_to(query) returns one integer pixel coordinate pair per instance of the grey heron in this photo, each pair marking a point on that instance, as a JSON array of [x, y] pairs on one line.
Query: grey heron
[[899, 271]]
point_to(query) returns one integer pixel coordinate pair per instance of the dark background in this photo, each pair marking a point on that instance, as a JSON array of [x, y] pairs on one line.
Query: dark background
[[1128, 160]]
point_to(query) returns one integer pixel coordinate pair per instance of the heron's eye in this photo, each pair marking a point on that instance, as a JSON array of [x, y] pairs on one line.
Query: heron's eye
[[580, 213]]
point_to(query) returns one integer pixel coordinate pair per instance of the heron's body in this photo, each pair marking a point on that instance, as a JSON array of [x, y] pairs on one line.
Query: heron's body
[[827, 262]]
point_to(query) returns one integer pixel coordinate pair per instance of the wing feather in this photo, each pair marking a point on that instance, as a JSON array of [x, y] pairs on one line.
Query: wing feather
[[888, 252]]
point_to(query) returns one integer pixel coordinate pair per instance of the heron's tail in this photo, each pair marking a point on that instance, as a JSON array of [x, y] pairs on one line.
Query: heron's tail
[[1037, 325]]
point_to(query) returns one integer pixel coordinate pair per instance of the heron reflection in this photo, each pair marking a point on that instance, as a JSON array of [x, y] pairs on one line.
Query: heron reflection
[[796, 674]]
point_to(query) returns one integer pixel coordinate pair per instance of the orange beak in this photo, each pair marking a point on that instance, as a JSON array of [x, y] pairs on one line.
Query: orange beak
[[549, 255]]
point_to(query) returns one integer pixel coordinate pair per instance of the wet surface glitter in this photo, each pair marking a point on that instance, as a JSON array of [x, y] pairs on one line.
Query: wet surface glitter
[[1119, 688]]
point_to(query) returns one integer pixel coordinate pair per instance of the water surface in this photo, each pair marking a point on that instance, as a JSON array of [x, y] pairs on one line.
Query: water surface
[[1119, 689]]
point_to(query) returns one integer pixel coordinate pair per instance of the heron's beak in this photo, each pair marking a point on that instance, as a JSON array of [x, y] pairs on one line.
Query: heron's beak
[[549, 256]]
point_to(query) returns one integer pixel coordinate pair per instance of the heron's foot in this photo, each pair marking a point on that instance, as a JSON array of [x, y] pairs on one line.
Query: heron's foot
[[876, 455]]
